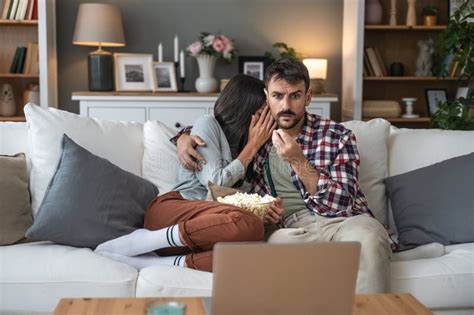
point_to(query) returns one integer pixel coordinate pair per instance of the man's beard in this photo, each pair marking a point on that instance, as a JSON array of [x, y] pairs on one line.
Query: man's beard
[[293, 121]]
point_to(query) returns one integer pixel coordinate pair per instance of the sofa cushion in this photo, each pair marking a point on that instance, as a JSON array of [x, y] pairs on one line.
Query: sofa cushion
[[119, 142], [160, 159], [173, 281], [90, 200], [15, 209], [13, 138], [446, 219], [439, 283], [34, 276], [372, 144]]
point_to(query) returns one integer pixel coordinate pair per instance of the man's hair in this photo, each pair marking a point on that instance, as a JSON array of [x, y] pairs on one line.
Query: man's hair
[[289, 70]]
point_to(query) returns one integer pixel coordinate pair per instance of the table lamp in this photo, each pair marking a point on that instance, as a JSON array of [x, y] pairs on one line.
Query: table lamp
[[99, 25], [317, 69]]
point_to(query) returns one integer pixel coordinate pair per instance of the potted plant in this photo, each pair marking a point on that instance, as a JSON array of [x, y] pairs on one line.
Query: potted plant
[[430, 13], [455, 115], [285, 52]]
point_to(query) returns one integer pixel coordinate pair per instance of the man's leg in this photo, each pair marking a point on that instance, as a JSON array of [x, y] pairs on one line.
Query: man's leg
[[374, 266]]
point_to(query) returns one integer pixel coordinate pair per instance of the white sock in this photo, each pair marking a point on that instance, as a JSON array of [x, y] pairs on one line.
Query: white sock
[[147, 260], [143, 241]]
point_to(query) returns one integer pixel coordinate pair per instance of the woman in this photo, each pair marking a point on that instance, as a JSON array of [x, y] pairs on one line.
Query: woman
[[181, 222]]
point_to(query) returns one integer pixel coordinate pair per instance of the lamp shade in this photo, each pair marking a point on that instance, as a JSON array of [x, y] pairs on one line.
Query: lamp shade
[[317, 68], [99, 24]]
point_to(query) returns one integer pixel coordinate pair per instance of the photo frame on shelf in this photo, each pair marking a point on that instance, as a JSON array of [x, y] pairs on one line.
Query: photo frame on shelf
[[463, 92], [433, 97], [133, 72], [165, 77], [253, 65]]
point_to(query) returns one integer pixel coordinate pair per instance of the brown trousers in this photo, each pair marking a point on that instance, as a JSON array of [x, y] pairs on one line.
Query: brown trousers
[[201, 225]]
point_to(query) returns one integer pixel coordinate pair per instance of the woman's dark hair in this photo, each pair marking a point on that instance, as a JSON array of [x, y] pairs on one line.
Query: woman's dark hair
[[241, 98]]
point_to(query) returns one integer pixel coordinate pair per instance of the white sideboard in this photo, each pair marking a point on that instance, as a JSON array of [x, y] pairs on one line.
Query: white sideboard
[[174, 109]]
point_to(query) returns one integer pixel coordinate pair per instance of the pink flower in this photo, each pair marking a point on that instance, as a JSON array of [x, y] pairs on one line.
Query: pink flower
[[195, 48], [209, 40], [219, 45]]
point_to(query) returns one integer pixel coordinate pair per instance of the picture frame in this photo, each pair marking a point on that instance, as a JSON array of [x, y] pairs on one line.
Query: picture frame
[[463, 92], [164, 77], [433, 97], [453, 5], [133, 72], [253, 65]]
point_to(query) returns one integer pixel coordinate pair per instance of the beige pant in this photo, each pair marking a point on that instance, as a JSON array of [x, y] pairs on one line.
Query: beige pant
[[374, 267]]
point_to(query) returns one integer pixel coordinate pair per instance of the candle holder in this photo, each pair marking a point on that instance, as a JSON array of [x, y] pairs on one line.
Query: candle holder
[[181, 87], [409, 101]]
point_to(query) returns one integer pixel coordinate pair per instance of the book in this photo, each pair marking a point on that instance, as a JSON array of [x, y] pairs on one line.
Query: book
[[454, 69], [29, 11], [34, 61], [35, 10], [15, 60], [2, 6], [12, 13], [373, 62], [6, 6], [29, 51], [21, 60], [381, 63], [370, 72], [20, 13]]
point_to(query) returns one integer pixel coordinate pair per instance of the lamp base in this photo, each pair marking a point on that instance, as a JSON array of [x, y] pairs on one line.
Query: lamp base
[[101, 75], [317, 86]]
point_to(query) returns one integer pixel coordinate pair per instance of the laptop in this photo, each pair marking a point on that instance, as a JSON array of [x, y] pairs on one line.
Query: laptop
[[262, 278]]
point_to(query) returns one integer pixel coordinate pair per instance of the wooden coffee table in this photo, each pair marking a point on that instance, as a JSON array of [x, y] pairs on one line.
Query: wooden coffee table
[[379, 304]]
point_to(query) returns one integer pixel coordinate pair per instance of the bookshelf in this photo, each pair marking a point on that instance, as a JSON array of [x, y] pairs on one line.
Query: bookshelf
[[18, 33], [395, 44]]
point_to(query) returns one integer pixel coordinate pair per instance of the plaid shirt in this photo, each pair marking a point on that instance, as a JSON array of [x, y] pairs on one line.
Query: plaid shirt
[[331, 149]]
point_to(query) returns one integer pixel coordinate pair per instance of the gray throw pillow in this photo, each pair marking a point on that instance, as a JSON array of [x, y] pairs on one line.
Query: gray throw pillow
[[15, 208], [434, 203], [90, 200]]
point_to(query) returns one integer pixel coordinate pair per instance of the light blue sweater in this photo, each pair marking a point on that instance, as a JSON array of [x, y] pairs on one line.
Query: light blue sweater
[[220, 168]]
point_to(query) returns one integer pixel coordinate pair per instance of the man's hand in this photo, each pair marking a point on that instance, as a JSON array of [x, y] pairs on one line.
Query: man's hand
[[188, 156], [274, 213], [287, 147]]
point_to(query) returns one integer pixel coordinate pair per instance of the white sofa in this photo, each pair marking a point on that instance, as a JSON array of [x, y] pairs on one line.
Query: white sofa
[[34, 276]]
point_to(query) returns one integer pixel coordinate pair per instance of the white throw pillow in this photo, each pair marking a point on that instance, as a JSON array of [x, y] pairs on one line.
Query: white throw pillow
[[119, 142], [372, 139], [160, 159]]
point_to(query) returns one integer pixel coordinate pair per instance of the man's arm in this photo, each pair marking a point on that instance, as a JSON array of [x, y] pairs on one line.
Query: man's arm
[[337, 185]]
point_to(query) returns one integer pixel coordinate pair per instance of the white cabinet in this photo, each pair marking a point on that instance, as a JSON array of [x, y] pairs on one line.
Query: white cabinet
[[174, 109]]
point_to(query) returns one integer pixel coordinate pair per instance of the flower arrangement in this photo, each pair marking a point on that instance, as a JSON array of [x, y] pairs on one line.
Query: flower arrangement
[[216, 45]]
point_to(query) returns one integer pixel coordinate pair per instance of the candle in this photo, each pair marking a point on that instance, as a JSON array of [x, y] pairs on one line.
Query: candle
[[176, 48], [160, 53], [181, 63]]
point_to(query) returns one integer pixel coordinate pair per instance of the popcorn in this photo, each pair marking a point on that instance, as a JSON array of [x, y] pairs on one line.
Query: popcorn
[[254, 203]]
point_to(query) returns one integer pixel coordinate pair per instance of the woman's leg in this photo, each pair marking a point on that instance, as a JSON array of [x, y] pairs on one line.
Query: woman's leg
[[172, 221]]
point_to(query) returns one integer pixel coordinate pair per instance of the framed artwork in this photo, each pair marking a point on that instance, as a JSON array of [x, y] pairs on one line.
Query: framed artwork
[[433, 97], [463, 92], [133, 72], [165, 77], [253, 65], [454, 5]]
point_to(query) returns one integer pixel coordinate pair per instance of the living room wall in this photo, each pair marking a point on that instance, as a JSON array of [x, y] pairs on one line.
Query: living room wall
[[312, 27]]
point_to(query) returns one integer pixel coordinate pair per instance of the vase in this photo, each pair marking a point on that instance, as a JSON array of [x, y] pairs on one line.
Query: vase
[[206, 83], [411, 13], [373, 12], [7, 101], [393, 12]]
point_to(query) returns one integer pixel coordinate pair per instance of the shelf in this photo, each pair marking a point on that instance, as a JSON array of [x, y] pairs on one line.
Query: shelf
[[13, 118], [405, 28], [405, 120], [410, 78], [19, 22], [18, 76]]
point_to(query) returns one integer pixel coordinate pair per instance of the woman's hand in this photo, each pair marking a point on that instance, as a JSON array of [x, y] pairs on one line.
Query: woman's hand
[[187, 154], [261, 127], [274, 213]]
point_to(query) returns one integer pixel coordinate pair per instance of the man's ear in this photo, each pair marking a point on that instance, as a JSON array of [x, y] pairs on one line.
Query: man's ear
[[265, 91], [309, 94]]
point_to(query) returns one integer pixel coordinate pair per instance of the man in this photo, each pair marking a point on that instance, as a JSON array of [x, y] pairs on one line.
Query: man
[[312, 164]]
